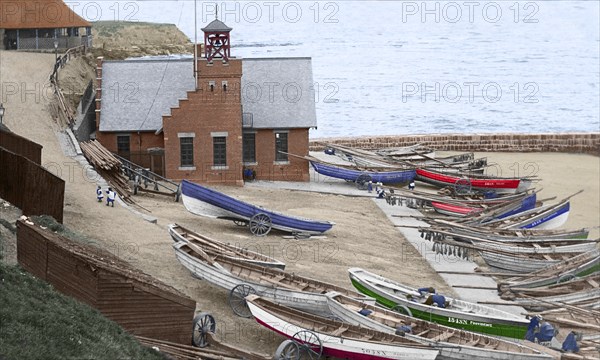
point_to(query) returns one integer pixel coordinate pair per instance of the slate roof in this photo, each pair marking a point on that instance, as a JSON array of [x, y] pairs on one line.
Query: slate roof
[[277, 92], [216, 25], [147, 90]]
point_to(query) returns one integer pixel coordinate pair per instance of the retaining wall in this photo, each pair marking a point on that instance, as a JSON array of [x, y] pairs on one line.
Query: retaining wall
[[142, 305], [588, 143]]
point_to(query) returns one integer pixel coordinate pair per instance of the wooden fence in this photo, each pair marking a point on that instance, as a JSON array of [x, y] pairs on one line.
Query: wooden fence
[[142, 305], [21, 146], [30, 187]]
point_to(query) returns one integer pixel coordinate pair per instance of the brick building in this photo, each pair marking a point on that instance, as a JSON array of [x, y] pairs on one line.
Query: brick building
[[209, 121], [36, 25]]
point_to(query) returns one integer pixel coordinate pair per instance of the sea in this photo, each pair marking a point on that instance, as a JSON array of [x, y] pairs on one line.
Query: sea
[[414, 67]]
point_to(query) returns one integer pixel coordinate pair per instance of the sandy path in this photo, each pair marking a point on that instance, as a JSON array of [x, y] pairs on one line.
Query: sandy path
[[361, 237]]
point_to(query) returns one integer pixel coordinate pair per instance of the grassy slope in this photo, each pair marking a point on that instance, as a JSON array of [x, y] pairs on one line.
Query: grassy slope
[[37, 322]]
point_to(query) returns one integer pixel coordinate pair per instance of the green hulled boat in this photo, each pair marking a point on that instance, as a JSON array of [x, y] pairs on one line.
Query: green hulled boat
[[457, 314]]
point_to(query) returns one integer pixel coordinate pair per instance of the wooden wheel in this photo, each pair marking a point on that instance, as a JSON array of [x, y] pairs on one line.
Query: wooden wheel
[[362, 180], [309, 344], [260, 224], [399, 308], [287, 350], [237, 300], [203, 324], [462, 186]]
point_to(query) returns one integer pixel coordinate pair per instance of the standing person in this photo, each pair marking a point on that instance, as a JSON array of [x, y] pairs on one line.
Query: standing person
[[99, 194], [411, 185], [370, 186], [379, 190], [110, 197]]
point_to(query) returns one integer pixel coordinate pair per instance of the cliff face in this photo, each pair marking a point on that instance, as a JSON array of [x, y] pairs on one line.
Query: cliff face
[[119, 40]]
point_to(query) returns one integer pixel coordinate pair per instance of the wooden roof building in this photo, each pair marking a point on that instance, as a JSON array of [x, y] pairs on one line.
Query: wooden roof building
[[37, 24]]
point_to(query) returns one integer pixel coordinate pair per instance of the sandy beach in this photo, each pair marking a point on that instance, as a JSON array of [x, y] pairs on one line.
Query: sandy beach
[[362, 236]]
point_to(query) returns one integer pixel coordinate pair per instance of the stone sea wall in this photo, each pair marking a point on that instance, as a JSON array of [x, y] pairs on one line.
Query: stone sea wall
[[588, 143]]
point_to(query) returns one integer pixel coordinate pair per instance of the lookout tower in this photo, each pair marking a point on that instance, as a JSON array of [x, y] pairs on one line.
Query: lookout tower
[[216, 41]]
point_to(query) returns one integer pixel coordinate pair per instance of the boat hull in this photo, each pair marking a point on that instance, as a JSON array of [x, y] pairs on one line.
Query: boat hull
[[447, 350], [342, 347], [203, 201], [266, 261], [305, 301], [385, 177], [500, 186], [467, 321]]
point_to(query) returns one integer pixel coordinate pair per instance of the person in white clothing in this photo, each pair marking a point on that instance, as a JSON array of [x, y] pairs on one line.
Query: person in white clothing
[[99, 194], [110, 197]]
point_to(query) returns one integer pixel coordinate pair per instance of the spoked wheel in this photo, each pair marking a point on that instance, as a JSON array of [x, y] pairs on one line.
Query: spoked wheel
[[309, 344], [240, 222], [399, 308], [203, 324], [237, 300], [287, 350], [362, 180], [260, 224], [462, 186]]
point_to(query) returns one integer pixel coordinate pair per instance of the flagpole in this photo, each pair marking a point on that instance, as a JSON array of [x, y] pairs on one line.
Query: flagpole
[[195, 45]]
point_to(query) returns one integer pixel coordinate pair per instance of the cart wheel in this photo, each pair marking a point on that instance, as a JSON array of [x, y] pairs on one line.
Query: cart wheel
[[362, 180], [462, 186], [260, 224], [309, 344], [237, 300], [203, 324], [402, 310], [240, 222], [287, 350]]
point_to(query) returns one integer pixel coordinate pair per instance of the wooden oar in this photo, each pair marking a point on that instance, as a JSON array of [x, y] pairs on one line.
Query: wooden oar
[[198, 250]]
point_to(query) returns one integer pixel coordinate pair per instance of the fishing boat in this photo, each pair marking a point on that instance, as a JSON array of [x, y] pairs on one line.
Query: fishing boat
[[516, 246], [459, 231], [473, 182], [212, 246], [499, 211], [241, 278], [577, 266], [586, 298], [543, 217], [423, 199], [516, 257], [203, 201], [457, 314], [353, 174], [327, 337], [452, 343]]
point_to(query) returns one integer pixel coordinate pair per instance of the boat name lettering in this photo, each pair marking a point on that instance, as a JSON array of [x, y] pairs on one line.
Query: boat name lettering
[[479, 323], [457, 321], [467, 322], [374, 352]]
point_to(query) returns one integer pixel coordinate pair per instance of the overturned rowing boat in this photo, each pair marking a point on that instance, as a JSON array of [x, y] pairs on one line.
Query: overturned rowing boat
[[203, 201]]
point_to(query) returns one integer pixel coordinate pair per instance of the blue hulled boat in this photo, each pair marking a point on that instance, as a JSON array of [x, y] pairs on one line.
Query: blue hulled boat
[[349, 174], [203, 201]]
